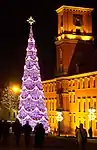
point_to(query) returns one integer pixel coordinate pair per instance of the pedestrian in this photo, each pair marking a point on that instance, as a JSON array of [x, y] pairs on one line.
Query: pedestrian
[[5, 131], [27, 133], [81, 137], [17, 129], [90, 132], [39, 135], [0, 130]]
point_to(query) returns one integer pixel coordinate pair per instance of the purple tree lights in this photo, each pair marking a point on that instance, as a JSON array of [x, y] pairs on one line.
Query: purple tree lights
[[32, 106]]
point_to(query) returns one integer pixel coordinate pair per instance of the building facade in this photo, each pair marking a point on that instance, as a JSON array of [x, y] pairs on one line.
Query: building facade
[[73, 90]]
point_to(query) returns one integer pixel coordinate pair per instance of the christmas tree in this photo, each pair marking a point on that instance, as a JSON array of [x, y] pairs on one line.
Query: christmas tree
[[32, 106]]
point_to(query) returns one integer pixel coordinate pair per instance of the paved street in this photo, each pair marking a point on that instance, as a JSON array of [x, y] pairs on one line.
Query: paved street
[[51, 143]]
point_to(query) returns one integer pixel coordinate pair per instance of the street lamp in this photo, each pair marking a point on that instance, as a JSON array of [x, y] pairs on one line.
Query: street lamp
[[16, 89], [92, 115], [59, 118]]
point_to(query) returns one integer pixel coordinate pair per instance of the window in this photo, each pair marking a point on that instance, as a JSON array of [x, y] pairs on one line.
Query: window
[[88, 83], [77, 20], [52, 105], [94, 105], [70, 98], [74, 98], [84, 106], [79, 106], [89, 105], [53, 120], [79, 85], [83, 84], [74, 118]]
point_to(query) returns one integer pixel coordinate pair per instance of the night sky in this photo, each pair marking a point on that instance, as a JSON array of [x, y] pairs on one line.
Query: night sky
[[14, 31]]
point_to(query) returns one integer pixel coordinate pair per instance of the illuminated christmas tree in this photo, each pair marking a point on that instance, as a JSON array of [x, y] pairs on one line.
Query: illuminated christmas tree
[[32, 106]]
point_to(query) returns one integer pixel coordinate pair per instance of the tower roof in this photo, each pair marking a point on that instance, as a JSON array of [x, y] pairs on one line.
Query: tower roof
[[73, 8]]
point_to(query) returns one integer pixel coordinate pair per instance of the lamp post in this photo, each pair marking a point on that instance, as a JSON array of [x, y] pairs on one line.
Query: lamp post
[[92, 115], [59, 118]]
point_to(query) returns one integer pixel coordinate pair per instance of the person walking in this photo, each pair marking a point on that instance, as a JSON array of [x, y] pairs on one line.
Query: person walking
[[81, 137], [39, 135], [90, 132], [17, 129], [27, 133]]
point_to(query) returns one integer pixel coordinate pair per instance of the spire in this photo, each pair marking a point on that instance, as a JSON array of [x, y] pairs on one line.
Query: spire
[[31, 21]]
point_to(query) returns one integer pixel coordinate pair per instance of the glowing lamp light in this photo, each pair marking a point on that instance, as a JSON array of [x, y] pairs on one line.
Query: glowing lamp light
[[16, 89], [59, 116], [92, 115]]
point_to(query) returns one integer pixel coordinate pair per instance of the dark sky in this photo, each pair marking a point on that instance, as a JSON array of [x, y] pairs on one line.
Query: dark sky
[[14, 32]]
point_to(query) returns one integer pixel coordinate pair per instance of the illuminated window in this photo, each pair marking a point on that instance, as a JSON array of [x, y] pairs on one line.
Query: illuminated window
[[79, 106], [84, 106]]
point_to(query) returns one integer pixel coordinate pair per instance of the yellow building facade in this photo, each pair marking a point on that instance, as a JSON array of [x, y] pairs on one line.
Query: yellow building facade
[[75, 94], [78, 95]]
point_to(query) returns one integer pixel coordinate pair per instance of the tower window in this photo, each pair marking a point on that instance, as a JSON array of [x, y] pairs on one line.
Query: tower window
[[77, 20]]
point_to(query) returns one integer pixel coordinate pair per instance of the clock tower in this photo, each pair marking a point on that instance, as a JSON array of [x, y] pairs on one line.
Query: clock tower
[[74, 38]]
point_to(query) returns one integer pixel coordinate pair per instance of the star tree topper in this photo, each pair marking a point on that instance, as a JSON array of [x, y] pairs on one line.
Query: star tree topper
[[31, 20]]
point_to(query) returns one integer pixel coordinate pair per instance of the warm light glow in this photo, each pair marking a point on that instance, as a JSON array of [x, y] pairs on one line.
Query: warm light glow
[[86, 38], [70, 36], [92, 115], [59, 37], [59, 116], [63, 36], [16, 89]]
